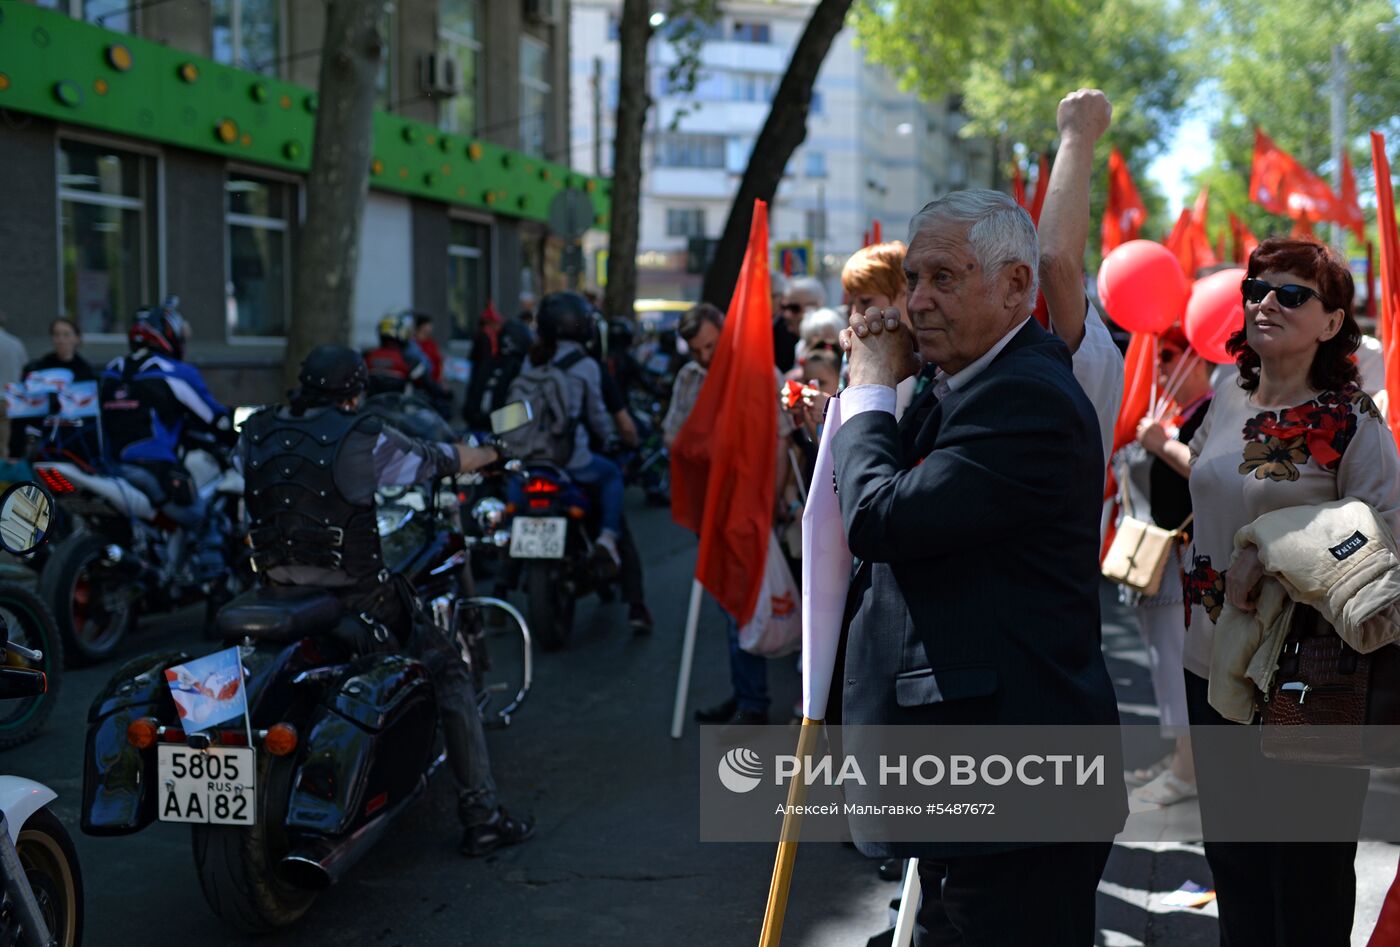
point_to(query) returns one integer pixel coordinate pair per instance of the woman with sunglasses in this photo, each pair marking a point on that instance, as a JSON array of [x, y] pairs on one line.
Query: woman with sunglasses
[[1294, 430]]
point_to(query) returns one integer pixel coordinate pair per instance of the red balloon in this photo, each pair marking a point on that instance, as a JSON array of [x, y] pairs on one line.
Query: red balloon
[[1142, 286], [1215, 312]]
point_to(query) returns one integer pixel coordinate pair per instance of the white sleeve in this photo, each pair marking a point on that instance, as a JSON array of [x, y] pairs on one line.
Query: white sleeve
[[1098, 367]]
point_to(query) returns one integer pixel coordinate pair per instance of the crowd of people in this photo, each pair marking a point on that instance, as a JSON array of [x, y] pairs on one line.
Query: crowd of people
[[970, 469]]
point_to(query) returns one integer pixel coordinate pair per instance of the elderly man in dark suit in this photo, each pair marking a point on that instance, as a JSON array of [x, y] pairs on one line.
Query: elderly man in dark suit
[[976, 520]]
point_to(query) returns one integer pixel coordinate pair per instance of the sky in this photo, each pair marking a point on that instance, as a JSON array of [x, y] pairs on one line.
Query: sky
[[1189, 152]]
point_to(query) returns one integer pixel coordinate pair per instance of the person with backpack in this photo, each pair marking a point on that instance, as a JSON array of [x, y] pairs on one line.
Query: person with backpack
[[498, 354], [564, 388]]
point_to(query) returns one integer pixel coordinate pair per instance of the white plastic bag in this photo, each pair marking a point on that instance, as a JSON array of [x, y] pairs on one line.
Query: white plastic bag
[[776, 626]]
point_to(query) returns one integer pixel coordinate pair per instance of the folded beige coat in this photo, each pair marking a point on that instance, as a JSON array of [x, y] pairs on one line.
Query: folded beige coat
[[1337, 557]]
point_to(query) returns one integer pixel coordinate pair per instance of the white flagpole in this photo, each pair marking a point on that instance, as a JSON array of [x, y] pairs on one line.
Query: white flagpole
[[908, 906], [687, 656]]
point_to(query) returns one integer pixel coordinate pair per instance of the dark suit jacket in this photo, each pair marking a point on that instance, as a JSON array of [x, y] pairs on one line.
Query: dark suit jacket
[[978, 530]]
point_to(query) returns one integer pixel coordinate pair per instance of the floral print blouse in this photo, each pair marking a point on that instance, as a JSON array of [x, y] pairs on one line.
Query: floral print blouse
[[1249, 459]]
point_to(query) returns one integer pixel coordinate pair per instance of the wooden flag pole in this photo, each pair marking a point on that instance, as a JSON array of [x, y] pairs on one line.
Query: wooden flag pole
[[908, 906], [787, 846], [687, 657]]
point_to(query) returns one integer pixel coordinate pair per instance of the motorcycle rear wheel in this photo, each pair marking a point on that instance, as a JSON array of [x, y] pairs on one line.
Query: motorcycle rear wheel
[[550, 606], [238, 866], [80, 593], [32, 625], [51, 865]]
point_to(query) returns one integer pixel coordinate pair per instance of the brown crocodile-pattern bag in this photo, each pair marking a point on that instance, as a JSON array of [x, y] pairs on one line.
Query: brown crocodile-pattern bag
[[1322, 682]]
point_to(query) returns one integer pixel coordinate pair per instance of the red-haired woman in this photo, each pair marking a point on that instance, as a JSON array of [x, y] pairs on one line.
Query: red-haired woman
[[1293, 430]]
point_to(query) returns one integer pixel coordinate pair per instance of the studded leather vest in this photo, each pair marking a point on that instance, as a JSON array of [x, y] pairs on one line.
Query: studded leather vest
[[300, 515]]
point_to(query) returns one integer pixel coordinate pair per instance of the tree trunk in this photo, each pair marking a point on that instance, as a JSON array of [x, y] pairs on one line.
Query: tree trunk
[[634, 35], [323, 281], [784, 130]]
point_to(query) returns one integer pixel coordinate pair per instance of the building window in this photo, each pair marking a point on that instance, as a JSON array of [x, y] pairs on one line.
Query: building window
[[106, 231], [747, 32], [459, 39], [816, 164], [468, 276], [682, 150], [259, 215], [818, 105], [816, 225], [614, 27], [248, 34], [685, 222], [534, 95], [701, 27], [752, 86], [108, 14]]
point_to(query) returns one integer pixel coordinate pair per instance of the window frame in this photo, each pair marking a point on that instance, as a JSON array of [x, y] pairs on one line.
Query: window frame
[[536, 85], [698, 217], [464, 251], [236, 38], [747, 32], [444, 37], [296, 213], [152, 216]]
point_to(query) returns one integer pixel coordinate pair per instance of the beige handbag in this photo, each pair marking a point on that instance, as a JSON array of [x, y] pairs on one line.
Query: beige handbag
[[1140, 551]]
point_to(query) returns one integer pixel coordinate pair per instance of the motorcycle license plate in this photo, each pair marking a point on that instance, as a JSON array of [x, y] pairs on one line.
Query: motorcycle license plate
[[539, 537], [217, 785]]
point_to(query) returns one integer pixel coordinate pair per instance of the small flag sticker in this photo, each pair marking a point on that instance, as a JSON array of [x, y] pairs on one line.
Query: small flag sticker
[[209, 690]]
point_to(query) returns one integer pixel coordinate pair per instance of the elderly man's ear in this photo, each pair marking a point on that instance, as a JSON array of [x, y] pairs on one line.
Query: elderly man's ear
[[1018, 282]]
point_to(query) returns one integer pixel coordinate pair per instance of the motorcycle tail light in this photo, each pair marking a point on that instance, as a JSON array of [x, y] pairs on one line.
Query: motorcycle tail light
[[143, 732], [540, 485], [536, 504], [281, 739], [55, 481]]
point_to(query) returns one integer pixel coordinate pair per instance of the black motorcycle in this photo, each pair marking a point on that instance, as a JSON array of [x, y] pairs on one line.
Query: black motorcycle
[[341, 733]]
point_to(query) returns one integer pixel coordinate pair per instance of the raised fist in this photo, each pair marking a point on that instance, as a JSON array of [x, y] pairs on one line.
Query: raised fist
[[1084, 113]]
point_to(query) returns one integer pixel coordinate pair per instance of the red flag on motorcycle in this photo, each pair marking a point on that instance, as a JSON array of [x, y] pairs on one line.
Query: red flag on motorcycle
[[723, 460]]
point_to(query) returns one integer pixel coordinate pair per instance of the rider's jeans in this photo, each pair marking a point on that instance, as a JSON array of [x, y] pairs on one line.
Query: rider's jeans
[[191, 517], [607, 477]]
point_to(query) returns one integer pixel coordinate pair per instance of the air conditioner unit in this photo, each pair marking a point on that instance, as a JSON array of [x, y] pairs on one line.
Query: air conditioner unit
[[439, 75], [542, 11]]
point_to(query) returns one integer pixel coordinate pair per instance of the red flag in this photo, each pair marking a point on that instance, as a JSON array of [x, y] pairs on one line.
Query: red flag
[[1042, 187], [1389, 312], [1221, 253], [1350, 207], [875, 234], [1124, 213], [1242, 239], [1189, 242], [1200, 212], [1139, 371], [722, 462], [1018, 186], [1280, 185], [1387, 932]]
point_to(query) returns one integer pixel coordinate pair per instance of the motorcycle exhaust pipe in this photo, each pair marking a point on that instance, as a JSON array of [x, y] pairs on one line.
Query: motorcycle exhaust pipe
[[319, 863]]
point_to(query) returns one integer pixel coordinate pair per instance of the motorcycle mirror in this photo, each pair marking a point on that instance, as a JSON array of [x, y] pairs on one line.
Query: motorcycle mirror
[[510, 417], [26, 517]]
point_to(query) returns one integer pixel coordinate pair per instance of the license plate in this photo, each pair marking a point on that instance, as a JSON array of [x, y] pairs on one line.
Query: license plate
[[540, 537], [217, 785]]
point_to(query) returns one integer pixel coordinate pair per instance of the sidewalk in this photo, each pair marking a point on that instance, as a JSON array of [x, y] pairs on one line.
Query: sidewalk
[[1140, 875]]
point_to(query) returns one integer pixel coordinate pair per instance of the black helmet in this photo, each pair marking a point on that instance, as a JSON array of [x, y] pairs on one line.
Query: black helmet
[[621, 335], [333, 371], [565, 316]]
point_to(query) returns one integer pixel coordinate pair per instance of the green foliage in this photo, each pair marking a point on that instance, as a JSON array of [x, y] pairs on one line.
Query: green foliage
[[1013, 61], [1272, 60], [688, 21]]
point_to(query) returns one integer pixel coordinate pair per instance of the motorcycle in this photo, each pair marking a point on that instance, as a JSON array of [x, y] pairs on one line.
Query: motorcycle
[[41, 882], [126, 555], [340, 737], [32, 629], [552, 524]]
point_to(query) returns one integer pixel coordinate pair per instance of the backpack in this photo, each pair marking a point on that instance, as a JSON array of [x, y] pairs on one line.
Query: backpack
[[550, 436]]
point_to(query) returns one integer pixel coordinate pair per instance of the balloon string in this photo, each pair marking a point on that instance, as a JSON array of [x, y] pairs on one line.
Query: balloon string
[[1178, 379]]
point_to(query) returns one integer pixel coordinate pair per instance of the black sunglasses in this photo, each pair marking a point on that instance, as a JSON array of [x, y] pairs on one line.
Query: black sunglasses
[[792, 307], [1289, 295]]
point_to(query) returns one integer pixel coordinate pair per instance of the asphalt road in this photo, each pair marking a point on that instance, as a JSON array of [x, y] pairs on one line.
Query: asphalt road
[[616, 858]]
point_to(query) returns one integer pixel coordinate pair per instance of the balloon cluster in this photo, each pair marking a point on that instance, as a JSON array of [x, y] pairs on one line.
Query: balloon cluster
[[1144, 290]]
